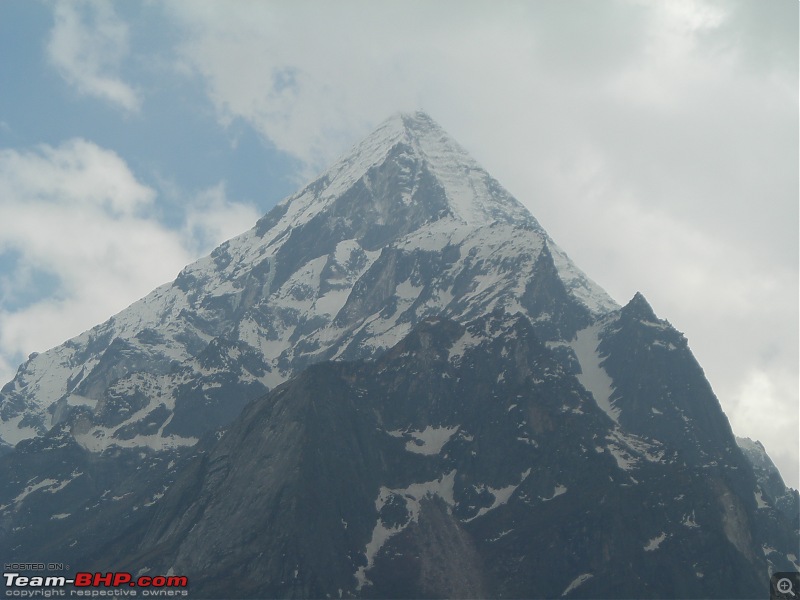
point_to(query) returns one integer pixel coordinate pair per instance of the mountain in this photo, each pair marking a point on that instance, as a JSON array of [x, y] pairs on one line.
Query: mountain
[[771, 490], [395, 385], [405, 226]]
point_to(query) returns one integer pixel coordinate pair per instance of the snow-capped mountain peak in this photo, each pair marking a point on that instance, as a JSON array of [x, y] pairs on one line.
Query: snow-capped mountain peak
[[421, 151], [404, 227]]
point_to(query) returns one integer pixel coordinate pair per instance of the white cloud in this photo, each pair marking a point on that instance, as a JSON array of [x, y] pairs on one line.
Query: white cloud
[[212, 218], [87, 46], [676, 30], [759, 408], [312, 86], [79, 215], [79, 172]]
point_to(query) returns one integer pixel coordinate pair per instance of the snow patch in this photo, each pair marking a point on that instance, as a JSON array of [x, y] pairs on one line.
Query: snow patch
[[413, 495], [689, 521], [45, 485], [461, 345], [407, 290], [655, 542], [500, 535], [429, 441], [77, 400], [593, 377], [501, 496], [101, 438], [577, 582], [559, 490], [624, 459], [628, 449], [13, 432]]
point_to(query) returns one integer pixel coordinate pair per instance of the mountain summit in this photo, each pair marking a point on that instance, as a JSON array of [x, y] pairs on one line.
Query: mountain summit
[[396, 384], [405, 226], [425, 174]]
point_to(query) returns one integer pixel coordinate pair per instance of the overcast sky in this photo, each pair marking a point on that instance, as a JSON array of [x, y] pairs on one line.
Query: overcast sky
[[657, 142]]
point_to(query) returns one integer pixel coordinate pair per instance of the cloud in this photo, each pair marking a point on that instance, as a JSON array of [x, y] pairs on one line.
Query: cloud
[[87, 46], [759, 408], [77, 218], [310, 86], [86, 176], [212, 218]]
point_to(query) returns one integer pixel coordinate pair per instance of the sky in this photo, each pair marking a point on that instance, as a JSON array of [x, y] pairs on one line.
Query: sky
[[657, 143]]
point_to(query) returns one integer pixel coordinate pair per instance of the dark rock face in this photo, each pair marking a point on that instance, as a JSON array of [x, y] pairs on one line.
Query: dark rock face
[[660, 389], [466, 461], [396, 385]]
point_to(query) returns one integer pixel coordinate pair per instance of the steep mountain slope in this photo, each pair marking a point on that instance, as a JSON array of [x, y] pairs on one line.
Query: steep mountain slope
[[395, 384]]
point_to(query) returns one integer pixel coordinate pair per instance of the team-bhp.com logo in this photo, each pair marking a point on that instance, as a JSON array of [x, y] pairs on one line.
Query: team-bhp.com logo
[[95, 585]]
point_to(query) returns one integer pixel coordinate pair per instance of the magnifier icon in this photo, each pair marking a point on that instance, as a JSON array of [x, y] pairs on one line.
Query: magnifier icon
[[784, 586]]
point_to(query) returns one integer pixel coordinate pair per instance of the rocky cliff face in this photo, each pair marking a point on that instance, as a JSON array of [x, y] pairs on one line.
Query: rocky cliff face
[[395, 385], [468, 461]]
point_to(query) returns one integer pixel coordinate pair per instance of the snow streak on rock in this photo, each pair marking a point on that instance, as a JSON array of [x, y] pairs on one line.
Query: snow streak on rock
[[593, 377]]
